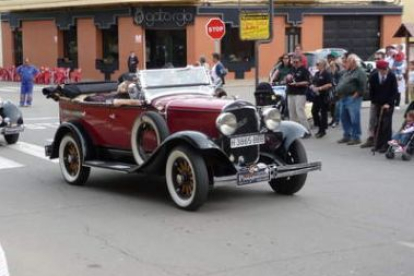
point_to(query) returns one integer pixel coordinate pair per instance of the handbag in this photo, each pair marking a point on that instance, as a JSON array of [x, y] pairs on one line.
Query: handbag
[[310, 95]]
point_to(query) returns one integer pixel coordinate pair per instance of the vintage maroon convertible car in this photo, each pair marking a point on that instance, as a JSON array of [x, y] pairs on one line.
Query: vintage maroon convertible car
[[178, 129]]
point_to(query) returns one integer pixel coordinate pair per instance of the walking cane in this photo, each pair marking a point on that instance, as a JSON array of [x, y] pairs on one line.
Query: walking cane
[[377, 131]]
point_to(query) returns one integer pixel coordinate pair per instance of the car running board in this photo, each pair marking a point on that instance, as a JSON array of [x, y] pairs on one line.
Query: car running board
[[117, 166]]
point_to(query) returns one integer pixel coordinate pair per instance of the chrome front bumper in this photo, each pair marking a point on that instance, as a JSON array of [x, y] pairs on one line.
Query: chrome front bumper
[[274, 171], [8, 130]]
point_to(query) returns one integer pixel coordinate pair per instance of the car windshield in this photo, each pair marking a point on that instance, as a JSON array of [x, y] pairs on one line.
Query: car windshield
[[189, 80], [176, 77]]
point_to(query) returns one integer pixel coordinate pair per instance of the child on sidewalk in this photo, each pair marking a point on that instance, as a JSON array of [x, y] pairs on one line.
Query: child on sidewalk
[[403, 136]]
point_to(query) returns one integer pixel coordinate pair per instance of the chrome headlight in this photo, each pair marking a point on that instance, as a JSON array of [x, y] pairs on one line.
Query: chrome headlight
[[226, 123], [272, 118]]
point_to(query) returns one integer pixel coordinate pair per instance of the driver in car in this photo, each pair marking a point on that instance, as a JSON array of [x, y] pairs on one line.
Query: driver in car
[[128, 93]]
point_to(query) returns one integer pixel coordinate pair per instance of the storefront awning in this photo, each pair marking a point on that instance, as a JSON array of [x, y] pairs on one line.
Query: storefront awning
[[405, 30], [21, 5]]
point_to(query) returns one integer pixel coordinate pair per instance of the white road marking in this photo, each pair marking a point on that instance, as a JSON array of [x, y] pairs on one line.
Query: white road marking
[[407, 244], [9, 164], [42, 119], [33, 150], [41, 126], [4, 271]]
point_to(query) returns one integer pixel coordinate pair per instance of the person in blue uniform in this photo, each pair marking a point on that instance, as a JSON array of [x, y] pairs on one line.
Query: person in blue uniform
[[27, 73]]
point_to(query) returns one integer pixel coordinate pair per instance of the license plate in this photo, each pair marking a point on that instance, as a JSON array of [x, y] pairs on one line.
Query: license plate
[[247, 140], [245, 176]]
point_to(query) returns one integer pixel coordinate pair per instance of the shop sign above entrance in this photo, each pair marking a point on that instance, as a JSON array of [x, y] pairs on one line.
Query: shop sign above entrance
[[216, 28], [164, 17], [254, 25]]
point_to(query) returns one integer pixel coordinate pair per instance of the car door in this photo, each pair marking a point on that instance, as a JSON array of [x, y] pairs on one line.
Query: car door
[[91, 115], [119, 123]]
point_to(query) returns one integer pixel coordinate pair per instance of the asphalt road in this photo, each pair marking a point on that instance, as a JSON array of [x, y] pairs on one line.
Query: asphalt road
[[355, 217]]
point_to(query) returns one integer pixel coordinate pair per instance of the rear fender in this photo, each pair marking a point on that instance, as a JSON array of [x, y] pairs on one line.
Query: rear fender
[[291, 131], [78, 133], [215, 158]]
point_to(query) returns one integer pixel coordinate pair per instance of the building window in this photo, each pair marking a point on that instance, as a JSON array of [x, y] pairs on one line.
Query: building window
[[69, 56], [110, 52], [235, 50], [70, 45], [17, 47], [292, 38]]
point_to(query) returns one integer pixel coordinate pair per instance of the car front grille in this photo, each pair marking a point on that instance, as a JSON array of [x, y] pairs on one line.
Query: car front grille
[[247, 119]]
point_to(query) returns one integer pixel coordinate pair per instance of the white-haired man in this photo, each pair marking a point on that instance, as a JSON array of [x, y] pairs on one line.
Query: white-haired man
[[351, 88]]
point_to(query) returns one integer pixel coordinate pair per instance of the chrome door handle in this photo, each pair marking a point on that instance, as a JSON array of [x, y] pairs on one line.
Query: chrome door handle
[[112, 116]]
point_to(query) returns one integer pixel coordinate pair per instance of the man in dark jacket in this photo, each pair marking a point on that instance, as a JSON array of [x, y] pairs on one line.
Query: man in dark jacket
[[383, 89], [132, 62]]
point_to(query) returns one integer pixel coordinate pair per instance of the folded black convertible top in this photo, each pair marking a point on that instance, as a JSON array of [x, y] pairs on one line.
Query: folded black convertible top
[[73, 90]]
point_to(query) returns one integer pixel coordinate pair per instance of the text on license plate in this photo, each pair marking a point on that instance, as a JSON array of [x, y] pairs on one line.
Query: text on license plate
[[245, 177], [248, 140]]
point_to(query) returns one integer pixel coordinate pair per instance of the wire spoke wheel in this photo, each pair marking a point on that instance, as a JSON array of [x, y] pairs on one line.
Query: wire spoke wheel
[[187, 178], [71, 161]]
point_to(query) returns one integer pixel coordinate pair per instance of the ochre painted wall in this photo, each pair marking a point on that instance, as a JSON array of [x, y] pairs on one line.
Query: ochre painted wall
[[7, 44], [198, 43], [89, 49], [40, 42], [408, 11], [312, 32], [270, 53], [389, 25], [130, 38]]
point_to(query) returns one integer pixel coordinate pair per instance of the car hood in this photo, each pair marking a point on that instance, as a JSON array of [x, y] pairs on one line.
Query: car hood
[[191, 102]]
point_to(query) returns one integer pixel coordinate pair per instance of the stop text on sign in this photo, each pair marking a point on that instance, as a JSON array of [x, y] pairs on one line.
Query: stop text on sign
[[215, 28]]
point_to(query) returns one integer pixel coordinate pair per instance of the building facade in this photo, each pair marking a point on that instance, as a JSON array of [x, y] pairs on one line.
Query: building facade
[[98, 38]]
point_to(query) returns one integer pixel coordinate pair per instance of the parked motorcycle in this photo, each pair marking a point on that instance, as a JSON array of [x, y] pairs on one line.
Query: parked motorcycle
[[274, 95], [11, 121]]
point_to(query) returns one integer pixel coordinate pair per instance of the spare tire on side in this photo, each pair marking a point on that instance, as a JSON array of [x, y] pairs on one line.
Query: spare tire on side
[[148, 132]]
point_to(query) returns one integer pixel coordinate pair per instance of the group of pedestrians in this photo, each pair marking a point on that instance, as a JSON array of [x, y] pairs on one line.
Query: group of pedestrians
[[301, 86], [338, 88]]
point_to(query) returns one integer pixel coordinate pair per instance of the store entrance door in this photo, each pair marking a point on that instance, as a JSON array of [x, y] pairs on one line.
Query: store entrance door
[[166, 48]]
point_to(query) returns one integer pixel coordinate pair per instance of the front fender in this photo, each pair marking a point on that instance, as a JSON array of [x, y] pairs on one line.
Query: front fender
[[76, 129], [12, 112], [211, 152], [291, 131]]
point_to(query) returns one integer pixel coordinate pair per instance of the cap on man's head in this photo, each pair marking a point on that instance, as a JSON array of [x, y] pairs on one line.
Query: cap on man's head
[[333, 54], [381, 64]]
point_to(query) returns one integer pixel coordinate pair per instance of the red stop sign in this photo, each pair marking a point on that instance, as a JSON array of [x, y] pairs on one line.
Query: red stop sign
[[216, 28]]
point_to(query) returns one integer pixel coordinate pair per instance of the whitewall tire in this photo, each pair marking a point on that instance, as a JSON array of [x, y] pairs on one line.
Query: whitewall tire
[[187, 178]]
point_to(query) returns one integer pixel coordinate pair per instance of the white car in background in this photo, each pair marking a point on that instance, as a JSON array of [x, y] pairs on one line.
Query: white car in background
[[323, 53]]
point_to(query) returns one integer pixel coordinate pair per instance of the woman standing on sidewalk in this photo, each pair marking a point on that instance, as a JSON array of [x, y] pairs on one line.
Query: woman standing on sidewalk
[[321, 86]]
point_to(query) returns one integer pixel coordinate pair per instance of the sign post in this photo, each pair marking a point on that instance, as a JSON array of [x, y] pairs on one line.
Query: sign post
[[216, 29], [256, 25]]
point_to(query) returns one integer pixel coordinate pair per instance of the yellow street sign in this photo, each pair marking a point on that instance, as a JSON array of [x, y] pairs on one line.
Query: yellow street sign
[[254, 25]]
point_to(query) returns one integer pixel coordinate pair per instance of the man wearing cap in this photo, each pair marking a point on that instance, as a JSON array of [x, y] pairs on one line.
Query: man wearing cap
[[383, 89], [373, 115]]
